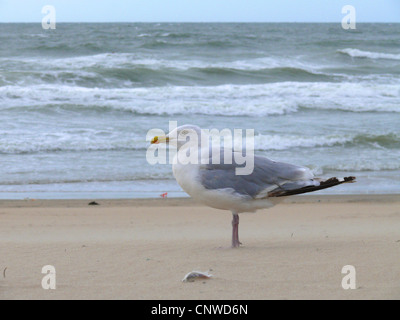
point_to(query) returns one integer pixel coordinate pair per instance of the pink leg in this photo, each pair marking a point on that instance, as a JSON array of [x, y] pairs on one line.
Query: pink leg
[[235, 231]]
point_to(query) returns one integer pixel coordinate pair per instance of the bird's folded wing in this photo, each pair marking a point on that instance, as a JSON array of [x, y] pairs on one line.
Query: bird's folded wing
[[267, 176]]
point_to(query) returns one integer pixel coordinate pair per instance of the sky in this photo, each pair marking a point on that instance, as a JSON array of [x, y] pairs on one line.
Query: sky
[[199, 10]]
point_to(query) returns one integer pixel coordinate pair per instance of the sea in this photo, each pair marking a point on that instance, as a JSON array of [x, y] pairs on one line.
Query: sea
[[76, 102]]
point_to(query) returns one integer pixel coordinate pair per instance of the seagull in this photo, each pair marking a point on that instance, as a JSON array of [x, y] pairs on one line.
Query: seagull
[[218, 186]]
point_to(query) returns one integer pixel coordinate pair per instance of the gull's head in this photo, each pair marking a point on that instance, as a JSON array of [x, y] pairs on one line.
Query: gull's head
[[183, 135]]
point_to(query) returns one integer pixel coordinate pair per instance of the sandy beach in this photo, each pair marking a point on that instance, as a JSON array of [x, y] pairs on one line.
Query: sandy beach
[[141, 249]]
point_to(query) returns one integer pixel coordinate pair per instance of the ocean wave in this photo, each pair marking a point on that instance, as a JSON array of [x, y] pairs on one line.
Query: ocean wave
[[88, 141], [137, 177], [131, 61], [275, 74], [390, 140], [227, 100], [128, 70], [45, 148], [172, 35], [363, 165], [165, 43], [69, 140], [284, 142], [76, 144], [356, 53], [119, 70]]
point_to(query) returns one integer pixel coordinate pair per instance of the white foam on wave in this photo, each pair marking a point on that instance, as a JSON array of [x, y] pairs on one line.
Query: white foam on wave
[[126, 69], [46, 140], [356, 53], [365, 165], [144, 35], [131, 60], [284, 142], [228, 100], [81, 143], [64, 141]]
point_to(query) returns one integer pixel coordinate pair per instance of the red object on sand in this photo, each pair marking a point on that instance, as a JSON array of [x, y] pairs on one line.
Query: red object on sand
[[164, 195]]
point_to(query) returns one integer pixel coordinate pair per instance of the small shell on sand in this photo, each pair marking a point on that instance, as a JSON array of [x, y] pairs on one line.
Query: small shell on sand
[[192, 276]]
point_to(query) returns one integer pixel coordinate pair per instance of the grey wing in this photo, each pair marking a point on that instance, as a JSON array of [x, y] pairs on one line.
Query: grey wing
[[267, 176]]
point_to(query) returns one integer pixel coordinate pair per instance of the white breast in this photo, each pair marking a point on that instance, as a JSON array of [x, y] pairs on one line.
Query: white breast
[[187, 175]]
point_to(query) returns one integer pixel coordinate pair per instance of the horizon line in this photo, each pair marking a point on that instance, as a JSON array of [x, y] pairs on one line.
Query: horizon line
[[39, 22]]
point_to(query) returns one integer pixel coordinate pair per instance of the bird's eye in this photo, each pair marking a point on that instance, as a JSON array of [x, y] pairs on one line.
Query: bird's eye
[[184, 132]]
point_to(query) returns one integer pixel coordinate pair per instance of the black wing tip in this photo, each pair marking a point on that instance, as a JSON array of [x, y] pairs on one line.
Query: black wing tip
[[331, 182], [349, 179], [335, 180]]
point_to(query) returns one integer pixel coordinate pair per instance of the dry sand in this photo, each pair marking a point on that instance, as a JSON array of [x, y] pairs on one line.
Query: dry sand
[[141, 249]]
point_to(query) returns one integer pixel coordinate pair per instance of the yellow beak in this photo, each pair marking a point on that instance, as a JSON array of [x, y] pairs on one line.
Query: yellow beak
[[157, 140]]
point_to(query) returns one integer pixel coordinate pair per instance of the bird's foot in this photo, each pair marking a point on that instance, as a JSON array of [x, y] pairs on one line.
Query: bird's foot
[[236, 244]]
